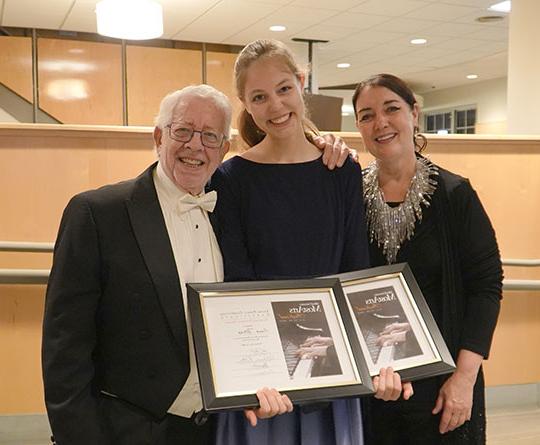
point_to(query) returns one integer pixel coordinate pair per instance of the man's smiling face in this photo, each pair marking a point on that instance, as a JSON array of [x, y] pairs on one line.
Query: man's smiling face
[[190, 164]]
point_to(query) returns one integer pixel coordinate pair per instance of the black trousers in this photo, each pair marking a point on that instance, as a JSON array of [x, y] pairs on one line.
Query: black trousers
[[127, 425]]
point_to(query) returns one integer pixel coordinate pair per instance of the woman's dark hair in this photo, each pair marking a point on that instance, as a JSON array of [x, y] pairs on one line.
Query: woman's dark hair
[[398, 86]]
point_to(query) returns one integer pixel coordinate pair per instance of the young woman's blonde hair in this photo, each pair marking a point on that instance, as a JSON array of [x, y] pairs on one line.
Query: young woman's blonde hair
[[269, 49]]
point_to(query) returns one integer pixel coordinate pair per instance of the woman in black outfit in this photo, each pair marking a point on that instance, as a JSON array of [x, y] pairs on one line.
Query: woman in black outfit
[[431, 218]]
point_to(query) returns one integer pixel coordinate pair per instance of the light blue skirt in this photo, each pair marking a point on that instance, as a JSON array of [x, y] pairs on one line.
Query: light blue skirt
[[340, 423]]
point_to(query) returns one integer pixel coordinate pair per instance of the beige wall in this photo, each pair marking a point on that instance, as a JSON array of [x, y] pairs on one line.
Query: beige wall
[[524, 68], [489, 97], [46, 165], [154, 72]]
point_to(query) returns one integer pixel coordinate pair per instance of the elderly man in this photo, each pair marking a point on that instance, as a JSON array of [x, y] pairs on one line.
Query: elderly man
[[117, 363]]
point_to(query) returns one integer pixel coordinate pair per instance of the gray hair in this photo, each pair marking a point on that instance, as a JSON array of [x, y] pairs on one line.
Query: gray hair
[[170, 101]]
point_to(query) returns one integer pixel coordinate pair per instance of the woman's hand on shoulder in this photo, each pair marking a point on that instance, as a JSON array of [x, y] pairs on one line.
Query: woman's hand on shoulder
[[271, 403], [388, 386], [335, 150]]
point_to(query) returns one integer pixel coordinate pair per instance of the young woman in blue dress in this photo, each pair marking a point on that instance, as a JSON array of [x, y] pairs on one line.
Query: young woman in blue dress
[[283, 214]]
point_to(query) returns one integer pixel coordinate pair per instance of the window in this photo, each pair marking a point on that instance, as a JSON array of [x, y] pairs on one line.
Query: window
[[461, 121], [465, 120]]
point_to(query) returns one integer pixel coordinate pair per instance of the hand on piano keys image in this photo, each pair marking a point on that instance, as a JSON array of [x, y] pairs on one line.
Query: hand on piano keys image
[[391, 336], [311, 355], [314, 347], [393, 333]]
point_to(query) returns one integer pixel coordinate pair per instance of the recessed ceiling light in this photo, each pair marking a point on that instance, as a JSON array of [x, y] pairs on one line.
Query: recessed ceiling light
[[472, 76], [501, 6], [343, 65], [277, 28], [418, 41]]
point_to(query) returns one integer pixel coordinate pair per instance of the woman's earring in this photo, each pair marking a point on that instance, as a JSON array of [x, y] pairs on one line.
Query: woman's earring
[[420, 141]]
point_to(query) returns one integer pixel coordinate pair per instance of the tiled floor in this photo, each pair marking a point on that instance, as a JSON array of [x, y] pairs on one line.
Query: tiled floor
[[516, 426], [510, 426]]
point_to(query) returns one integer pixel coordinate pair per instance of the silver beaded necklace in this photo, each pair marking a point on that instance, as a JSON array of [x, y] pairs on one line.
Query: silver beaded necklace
[[391, 226]]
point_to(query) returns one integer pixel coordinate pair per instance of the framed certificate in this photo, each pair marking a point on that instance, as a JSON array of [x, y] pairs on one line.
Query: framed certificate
[[290, 335], [393, 323]]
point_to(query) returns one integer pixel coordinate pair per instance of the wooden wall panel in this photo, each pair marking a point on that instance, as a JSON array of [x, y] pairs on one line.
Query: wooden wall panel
[[46, 165], [16, 65], [499, 127], [80, 82], [514, 356], [154, 72], [219, 74], [21, 314]]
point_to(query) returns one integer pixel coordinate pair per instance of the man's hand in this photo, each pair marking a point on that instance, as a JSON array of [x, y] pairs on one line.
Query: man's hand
[[271, 403], [335, 150], [388, 386]]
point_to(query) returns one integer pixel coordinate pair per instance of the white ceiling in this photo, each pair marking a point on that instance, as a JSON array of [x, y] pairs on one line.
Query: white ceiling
[[372, 35]]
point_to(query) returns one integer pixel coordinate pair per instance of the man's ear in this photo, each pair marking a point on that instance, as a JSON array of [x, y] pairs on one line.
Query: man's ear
[[225, 148], [157, 138]]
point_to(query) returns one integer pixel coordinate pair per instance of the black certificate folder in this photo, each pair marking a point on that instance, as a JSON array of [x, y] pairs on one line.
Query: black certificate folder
[[292, 335], [394, 324]]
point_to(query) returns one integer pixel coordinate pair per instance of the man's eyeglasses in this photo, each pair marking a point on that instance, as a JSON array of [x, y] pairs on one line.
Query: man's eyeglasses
[[181, 133]]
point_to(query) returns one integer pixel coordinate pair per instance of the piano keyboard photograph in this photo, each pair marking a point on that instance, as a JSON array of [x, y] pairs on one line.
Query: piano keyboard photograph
[[394, 324], [305, 338]]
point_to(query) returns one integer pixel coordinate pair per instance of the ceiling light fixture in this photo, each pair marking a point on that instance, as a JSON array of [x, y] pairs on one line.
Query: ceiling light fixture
[[501, 6], [278, 28], [343, 65], [130, 19], [472, 76], [418, 41]]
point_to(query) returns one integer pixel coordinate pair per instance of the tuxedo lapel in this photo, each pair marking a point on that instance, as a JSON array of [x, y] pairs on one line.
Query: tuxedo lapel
[[151, 234]]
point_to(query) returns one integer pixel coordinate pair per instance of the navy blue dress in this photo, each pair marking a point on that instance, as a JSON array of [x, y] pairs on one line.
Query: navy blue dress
[[291, 221]]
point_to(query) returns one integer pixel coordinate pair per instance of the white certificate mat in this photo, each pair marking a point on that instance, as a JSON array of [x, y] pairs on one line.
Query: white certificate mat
[[290, 335], [248, 340]]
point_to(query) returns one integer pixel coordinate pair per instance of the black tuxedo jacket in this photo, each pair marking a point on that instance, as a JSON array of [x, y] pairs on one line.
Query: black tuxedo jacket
[[114, 317]]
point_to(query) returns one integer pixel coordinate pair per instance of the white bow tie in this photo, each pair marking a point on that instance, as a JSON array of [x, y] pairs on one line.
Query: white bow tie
[[206, 202]]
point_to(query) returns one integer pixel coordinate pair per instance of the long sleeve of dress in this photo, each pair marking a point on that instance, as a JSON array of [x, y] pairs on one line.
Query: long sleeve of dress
[[481, 270]]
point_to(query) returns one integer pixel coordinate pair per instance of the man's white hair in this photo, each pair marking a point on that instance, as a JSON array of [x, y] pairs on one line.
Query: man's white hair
[[170, 101]]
